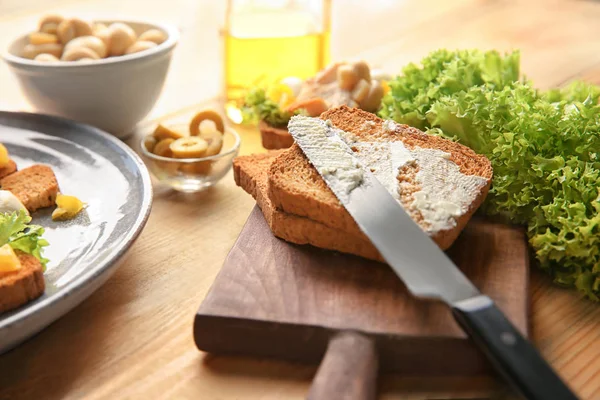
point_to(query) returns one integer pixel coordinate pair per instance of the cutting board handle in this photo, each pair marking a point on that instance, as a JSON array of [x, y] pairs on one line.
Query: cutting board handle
[[348, 370]]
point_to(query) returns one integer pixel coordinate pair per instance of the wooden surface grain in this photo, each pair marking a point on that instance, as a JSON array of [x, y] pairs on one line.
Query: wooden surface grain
[[133, 337], [272, 298]]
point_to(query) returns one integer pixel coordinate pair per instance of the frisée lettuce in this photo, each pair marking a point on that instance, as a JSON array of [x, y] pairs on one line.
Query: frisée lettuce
[[257, 106], [16, 231], [544, 148]]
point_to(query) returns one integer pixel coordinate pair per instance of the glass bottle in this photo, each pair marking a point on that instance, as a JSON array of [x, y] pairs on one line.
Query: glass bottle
[[268, 40]]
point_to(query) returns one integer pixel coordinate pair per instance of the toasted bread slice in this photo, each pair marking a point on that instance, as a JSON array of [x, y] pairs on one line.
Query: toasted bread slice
[[274, 138], [22, 286], [10, 168], [250, 173], [295, 187], [36, 186]]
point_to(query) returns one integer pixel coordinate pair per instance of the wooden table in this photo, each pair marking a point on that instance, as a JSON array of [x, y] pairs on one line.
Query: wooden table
[[133, 337]]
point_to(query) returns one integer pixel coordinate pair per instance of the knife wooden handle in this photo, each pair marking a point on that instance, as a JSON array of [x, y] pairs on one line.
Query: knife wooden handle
[[348, 370], [510, 353]]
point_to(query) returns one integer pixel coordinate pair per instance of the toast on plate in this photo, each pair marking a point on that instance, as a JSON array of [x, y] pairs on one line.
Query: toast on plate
[[10, 168], [36, 186], [21, 286]]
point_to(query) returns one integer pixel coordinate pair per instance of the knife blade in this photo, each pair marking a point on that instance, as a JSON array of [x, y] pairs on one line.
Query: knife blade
[[425, 269]]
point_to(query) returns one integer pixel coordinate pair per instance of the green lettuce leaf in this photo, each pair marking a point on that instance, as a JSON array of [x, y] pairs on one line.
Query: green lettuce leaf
[[15, 231], [577, 91], [543, 147], [444, 73], [257, 106]]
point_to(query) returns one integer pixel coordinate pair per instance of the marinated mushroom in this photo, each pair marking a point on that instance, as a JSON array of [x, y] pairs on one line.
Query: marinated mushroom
[[71, 28], [363, 71], [373, 99], [347, 77], [91, 42], [45, 57], [79, 54], [98, 26], [49, 24], [32, 50], [57, 36], [153, 35], [140, 45], [104, 35], [42, 38], [361, 90], [121, 38]]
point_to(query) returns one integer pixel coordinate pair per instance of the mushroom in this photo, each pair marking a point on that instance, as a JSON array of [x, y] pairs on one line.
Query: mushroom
[[79, 53], [71, 28], [45, 57], [140, 45], [91, 42], [49, 24], [42, 38], [121, 38], [32, 50], [153, 35]]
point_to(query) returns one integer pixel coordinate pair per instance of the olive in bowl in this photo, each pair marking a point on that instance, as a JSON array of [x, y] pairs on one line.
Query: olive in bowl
[[188, 158]]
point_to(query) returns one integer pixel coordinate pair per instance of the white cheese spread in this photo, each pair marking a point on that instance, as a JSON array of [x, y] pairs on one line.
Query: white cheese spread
[[320, 138], [389, 125], [444, 192], [368, 125]]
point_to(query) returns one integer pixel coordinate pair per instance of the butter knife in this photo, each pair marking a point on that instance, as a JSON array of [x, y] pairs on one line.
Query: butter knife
[[423, 267]]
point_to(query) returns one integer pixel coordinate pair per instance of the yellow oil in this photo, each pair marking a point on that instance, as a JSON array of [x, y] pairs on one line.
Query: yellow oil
[[255, 61], [262, 48]]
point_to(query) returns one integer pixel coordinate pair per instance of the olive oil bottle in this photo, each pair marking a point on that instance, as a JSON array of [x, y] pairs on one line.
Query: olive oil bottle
[[265, 41]]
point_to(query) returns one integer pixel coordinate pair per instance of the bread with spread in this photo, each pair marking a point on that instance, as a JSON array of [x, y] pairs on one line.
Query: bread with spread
[[296, 187], [440, 183], [250, 173]]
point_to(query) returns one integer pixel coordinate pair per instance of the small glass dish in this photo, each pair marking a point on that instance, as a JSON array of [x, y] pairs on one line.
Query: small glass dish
[[191, 175]]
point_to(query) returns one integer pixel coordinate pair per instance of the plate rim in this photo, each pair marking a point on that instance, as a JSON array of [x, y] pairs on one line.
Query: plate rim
[[89, 277]]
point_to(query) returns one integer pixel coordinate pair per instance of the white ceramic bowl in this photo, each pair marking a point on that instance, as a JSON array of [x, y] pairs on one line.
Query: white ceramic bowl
[[113, 94]]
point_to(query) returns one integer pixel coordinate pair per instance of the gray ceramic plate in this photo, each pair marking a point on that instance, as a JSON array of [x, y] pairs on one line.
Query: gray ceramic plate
[[84, 252]]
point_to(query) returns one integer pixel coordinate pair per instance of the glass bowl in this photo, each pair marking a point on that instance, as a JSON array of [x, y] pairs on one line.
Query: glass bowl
[[191, 175]]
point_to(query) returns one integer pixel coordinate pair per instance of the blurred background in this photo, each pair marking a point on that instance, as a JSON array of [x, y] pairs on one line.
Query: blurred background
[[554, 36]]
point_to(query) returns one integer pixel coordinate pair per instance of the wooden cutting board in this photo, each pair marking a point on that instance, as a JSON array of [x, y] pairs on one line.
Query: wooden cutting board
[[275, 299]]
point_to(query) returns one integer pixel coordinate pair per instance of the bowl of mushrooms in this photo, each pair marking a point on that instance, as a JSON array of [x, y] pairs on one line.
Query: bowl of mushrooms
[[108, 74]]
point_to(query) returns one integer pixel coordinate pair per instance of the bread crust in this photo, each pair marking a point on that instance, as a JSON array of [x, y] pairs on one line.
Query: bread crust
[[274, 138], [22, 286], [250, 173], [10, 168], [300, 208], [36, 186], [297, 188]]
